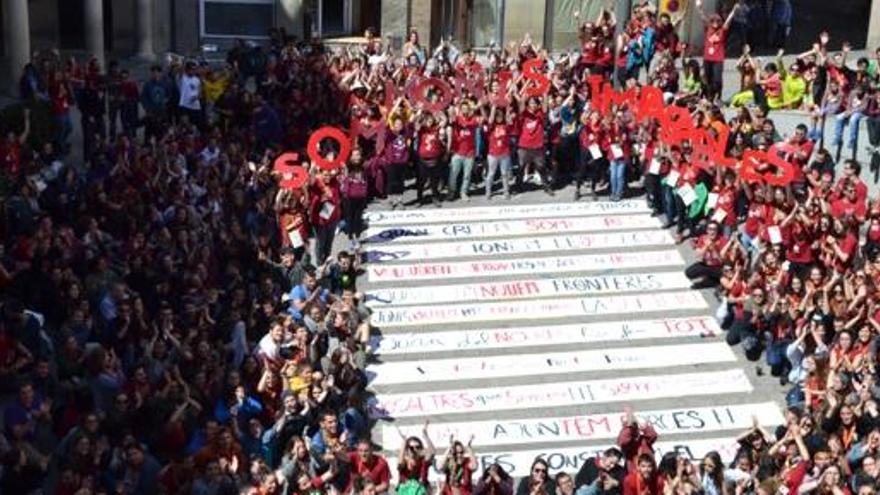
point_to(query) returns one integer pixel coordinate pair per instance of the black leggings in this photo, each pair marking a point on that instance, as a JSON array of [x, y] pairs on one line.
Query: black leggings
[[588, 168], [352, 213], [873, 124], [714, 78], [430, 172], [535, 157], [711, 275], [395, 172], [654, 192]]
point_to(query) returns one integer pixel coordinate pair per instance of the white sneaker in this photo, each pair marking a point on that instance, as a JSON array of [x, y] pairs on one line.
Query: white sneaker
[[538, 179], [465, 197]]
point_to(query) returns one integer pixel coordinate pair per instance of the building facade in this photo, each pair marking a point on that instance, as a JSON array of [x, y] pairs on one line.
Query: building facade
[[121, 28]]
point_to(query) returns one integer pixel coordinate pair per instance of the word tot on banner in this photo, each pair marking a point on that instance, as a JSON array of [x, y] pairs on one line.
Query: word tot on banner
[[315, 152]]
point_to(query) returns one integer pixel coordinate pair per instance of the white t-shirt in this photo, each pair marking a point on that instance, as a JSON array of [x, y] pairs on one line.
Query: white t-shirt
[[210, 155], [190, 91]]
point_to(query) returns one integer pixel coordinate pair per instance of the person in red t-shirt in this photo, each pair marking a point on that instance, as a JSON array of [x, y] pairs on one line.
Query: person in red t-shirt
[[645, 480], [851, 171], [430, 150], [324, 212], [10, 148], [839, 250], [130, 97], [713, 49], [61, 103], [590, 156], [366, 464], [498, 132], [463, 148], [711, 248], [533, 116], [849, 204], [293, 220]]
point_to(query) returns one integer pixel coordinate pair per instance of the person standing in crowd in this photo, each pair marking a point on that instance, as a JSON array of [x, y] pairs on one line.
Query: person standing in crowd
[[714, 49], [354, 189], [530, 145], [463, 148], [189, 85], [431, 137], [782, 13], [498, 133], [155, 97], [325, 212], [162, 294], [396, 153]]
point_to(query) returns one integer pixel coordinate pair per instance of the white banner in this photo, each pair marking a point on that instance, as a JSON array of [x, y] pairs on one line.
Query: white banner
[[504, 247], [541, 309], [532, 226], [504, 338], [624, 358], [505, 212], [502, 267], [529, 289], [558, 394], [587, 427], [570, 459]]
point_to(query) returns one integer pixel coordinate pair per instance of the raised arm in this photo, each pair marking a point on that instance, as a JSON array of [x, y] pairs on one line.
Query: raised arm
[[702, 12], [730, 16]]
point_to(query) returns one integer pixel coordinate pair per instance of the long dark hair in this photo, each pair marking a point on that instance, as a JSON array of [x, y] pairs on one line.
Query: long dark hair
[[501, 472], [717, 473]]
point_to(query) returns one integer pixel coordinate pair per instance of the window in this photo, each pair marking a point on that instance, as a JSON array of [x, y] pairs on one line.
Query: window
[[334, 17], [486, 22], [564, 32], [523, 17], [237, 18]]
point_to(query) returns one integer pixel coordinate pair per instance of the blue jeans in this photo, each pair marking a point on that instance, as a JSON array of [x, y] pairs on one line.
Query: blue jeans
[[460, 165], [669, 207], [494, 163], [795, 397], [840, 121], [65, 129], [618, 178], [749, 244], [776, 358]]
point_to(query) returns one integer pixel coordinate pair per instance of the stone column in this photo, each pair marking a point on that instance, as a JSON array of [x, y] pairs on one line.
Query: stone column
[[16, 39], [420, 20], [694, 27], [874, 27], [144, 13], [394, 20], [94, 29]]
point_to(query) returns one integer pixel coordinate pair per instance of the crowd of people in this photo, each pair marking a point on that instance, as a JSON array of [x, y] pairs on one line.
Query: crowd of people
[[175, 321]]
